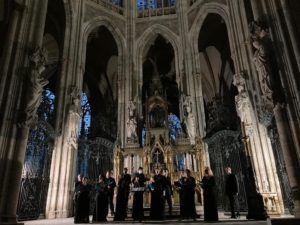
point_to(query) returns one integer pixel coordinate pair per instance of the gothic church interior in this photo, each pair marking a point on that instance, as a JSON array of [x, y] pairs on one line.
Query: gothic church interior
[[88, 86]]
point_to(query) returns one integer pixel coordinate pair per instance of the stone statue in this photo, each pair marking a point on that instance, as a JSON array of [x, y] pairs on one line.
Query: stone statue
[[241, 100], [189, 119], [75, 100], [261, 59], [262, 65], [131, 123], [37, 81]]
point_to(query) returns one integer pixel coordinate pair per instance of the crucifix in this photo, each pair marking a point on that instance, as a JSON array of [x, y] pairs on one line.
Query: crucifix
[[157, 153]]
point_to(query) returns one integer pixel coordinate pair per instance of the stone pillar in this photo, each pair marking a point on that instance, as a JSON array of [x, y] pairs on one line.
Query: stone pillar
[[290, 156], [9, 45], [256, 9], [16, 148], [129, 79], [292, 32], [63, 167]]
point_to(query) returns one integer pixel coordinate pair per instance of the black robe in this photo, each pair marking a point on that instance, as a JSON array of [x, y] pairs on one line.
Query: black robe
[[178, 184], [231, 190], [101, 202], [210, 205], [122, 198], [137, 205], [158, 191], [111, 183], [82, 203], [169, 193], [188, 198]]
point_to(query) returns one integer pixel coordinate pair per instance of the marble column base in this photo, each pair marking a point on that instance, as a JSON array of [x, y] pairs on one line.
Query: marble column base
[[283, 221]]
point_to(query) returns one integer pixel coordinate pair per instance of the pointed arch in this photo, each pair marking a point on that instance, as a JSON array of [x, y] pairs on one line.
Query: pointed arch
[[210, 8], [91, 25], [145, 41]]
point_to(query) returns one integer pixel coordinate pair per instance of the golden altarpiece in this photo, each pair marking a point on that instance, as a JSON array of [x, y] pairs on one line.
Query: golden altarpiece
[[158, 148]]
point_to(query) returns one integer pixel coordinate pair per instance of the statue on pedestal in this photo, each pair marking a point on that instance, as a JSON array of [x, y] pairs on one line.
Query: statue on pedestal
[[189, 119], [131, 124], [241, 100]]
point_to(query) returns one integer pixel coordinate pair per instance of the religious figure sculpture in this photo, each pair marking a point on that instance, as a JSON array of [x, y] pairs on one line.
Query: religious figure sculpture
[[189, 119], [75, 100], [131, 123], [241, 100], [37, 81], [262, 65], [261, 59]]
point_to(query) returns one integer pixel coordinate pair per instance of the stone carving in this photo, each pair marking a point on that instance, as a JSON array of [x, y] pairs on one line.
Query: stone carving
[[261, 43], [75, 100], [241, 100], [131, 123], [37, 81], [262, 65], [261, 59], [189, 119]]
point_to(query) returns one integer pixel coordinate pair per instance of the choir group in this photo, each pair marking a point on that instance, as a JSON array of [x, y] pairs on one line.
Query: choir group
[[159, 186]]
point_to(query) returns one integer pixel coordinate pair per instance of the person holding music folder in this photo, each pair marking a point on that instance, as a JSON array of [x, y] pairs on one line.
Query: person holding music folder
[[82, 201], [101, 200], [138, 190], [187, 186], [178, 185], [158, 190]]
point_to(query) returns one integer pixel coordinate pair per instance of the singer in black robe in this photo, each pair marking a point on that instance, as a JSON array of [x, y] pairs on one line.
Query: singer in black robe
[[101, 201], [210, 205], [138, 195], [188, 196], [158, 191], [111, 184], [82, 201], [232, 190], [122, 196]]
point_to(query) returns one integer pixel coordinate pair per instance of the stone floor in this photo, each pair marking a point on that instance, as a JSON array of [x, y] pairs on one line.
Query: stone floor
[[223, 220]]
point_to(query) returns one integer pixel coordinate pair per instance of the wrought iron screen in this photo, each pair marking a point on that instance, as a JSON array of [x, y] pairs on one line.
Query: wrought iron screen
[[281, 170], [225, 149], [94, 157], [36, 168]]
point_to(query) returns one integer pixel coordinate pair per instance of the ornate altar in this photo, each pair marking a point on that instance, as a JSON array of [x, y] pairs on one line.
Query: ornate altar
[[161, 147]]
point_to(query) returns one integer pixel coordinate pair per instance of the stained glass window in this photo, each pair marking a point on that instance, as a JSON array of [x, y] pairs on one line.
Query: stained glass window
[[86, 115], [152, 4], [174, 126]]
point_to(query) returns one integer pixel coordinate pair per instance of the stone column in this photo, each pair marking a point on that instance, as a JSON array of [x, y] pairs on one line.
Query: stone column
[[292, 33], [30, 102], [9, 45], [290, 156], [256, 9], [129, 79]]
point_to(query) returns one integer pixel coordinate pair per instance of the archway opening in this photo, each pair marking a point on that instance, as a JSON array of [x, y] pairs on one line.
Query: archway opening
[[97, 140], [222, 125], [159, 79], [159, 62]]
